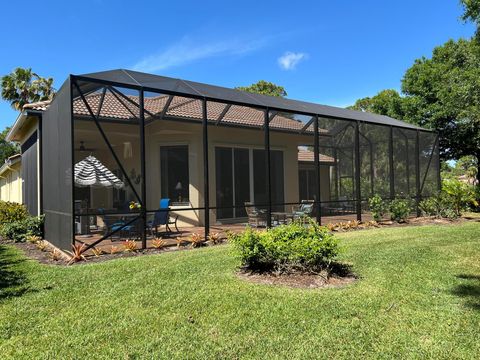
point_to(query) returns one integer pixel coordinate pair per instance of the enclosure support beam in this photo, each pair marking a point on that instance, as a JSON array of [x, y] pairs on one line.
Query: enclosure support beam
[[337, 173], [417, 173], [390, 162], [206, 182], [143, 170], [316, 154], [439, 177], [267, 166], [357, 171]]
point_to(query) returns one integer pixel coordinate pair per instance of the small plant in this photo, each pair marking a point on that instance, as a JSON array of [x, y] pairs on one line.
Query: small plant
[[134, 205], [41, 245], [214, 238], [400, 209], [130, 245], [159, 243], [196, 240], [332, 227], [77, 253], [377, 206], [32, 239], [55, 255], [97, 251], [371, 223]]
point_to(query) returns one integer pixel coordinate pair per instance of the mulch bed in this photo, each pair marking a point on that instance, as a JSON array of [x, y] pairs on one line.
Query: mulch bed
[[298, 280], [293, 280]]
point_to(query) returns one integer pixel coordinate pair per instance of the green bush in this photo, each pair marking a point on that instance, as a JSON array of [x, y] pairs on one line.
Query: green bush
[[400, 209], [438, 205], [19, 230], [378, 207], [297, 246], [460, 196], [10, 212]]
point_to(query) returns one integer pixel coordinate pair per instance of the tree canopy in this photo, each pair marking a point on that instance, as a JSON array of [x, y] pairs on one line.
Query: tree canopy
[[387, 102], [265, 88], [441, 92], [7, 149], [23, 86]]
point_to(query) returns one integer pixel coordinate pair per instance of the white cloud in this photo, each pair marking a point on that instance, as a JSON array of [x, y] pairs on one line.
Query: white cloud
[[290, 60], [187, 51]]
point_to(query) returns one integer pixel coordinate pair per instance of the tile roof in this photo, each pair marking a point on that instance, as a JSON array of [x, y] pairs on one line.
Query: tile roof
[[39, 105], [116, 107], [308, 156]]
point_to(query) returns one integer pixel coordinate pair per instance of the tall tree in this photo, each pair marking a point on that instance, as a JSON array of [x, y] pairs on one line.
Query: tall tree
[[265, 88], [387, 102], [23, 86], [471, 12], [7, 149], [443, 93]]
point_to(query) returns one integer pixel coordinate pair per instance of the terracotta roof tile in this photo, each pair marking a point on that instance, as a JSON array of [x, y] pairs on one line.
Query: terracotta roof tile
[[116, 107], [308, 156]]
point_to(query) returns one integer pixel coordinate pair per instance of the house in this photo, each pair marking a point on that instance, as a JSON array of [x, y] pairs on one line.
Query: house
[[11, 180], [140, 137]]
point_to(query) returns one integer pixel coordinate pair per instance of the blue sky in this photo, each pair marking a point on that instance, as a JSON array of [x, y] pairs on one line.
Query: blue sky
[[330, 52]]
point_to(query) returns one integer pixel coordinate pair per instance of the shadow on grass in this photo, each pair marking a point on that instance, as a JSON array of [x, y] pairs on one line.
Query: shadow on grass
[[470, 290], [13, 282]]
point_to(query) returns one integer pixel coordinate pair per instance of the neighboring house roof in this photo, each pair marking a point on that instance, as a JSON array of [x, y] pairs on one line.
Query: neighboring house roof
[[39, 105], [9, 162], [309, 156]]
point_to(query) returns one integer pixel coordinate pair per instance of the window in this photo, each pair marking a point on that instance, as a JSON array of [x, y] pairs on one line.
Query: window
[[174, 173]]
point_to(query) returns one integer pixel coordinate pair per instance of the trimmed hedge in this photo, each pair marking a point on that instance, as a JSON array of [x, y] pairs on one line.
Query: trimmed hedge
[[297, 246]]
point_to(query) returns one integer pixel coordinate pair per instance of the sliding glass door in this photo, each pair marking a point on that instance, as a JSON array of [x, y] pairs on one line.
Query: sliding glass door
[[232, 168]]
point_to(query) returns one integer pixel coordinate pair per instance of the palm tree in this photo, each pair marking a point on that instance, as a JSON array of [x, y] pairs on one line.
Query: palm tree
[[23, 86]]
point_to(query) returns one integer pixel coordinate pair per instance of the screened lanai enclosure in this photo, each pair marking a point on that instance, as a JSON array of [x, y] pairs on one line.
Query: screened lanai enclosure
[[128, 155]]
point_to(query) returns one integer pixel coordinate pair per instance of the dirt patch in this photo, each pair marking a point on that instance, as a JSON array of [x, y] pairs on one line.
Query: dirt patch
[[301, 280], [33, 252], [45, 256]]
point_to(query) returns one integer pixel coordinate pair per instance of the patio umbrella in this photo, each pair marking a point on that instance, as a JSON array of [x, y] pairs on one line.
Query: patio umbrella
[[91, 172]]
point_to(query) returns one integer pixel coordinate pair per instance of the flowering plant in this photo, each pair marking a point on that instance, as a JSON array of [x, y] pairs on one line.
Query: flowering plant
[[134, 205]]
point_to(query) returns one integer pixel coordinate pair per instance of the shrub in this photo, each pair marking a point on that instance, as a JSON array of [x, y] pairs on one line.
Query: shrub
[[438, 205], [297, 246], [19, 230], [400, 209], [459, 195], [377, 206], [11, 212]]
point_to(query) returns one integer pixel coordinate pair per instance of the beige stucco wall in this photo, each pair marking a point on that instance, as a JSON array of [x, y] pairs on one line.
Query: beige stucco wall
[[162, 133], [11, 184]]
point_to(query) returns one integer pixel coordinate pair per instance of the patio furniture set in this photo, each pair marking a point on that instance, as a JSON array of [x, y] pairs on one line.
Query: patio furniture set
[[257, 217]]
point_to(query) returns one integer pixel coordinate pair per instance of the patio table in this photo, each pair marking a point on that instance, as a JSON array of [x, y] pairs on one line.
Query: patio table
[[281, 217]]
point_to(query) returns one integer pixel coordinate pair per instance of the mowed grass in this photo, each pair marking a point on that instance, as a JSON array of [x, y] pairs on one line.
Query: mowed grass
[[418, 297]]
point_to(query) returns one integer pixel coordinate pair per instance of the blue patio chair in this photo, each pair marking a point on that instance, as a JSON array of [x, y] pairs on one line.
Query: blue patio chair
[[162, 217]]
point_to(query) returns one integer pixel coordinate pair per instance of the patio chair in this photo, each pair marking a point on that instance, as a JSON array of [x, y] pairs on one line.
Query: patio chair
[[304, 210], [113, 224], [162, 217], [256, 217]]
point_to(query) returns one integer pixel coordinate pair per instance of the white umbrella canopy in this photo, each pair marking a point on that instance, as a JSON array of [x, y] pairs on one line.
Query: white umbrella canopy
[[91, 172]]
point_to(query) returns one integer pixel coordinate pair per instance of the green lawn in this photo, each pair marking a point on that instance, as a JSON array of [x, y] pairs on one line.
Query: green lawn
[[418, 297]]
